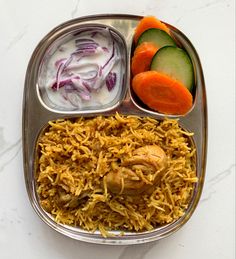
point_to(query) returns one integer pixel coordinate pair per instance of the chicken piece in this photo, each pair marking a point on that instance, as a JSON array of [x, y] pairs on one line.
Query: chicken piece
[[68, 200], [124, 181], [151, 155], [151, 160]]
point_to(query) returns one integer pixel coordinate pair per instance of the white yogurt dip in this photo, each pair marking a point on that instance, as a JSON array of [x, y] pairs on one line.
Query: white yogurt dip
[[83, 72]]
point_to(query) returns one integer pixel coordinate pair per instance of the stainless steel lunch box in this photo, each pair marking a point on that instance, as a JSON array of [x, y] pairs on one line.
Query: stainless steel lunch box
[[37, 111]]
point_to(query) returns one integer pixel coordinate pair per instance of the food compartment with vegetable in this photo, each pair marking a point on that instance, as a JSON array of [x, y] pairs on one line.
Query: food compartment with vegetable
[[84, 70], [162, 71]]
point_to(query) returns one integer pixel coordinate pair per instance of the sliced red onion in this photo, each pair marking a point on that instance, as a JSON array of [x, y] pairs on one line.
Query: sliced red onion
[[78, 66], [59, 61], [71, 80], [62, 66], [112, 55], [70, 88], [58, 75], [106, 69], [87, 45], [87, 31], [93, 34], [90, 75], [83, 44], [74, 99], [56, 86], [111, 80], [82, 90], [84, 52], [105, 49], [86, 85], [84, 40]]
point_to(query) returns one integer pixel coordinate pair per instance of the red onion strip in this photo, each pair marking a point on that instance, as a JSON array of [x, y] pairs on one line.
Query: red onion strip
[[82, 83]]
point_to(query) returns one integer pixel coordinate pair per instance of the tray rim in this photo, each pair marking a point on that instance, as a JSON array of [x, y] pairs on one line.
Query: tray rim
[[25, 106]]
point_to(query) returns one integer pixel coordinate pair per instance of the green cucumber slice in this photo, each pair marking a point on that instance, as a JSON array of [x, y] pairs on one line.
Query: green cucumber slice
[[159, 37], [176, 63]]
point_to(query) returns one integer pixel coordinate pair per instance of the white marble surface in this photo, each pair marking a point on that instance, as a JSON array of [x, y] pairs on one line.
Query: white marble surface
[[210, 25]]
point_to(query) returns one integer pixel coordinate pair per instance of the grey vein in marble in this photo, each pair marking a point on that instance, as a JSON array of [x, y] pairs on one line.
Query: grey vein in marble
[[16, 39], [222, 175], [2, 140], [137, 252], [215, 180], [201, 7], [9, 154], [75, 10], [209, 4]]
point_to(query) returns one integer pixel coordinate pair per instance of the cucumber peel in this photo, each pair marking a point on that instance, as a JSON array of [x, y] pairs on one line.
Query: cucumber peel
[[176, 63], [159, 37]]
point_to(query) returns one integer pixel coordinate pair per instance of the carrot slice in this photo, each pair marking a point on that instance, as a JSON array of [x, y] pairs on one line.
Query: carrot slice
[[162, 93], [142, 58], [147, 23]]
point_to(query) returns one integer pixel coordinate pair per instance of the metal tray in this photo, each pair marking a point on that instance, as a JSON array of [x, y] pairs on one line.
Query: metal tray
[[36, 115]]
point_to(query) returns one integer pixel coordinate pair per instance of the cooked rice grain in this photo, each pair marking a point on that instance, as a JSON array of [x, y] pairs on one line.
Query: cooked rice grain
[[75, 156]]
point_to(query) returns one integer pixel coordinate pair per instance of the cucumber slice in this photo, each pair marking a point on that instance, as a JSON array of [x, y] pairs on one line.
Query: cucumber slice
[[176, 63], [158, 37]]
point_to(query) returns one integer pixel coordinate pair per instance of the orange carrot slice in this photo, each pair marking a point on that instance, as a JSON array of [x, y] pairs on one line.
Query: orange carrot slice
[[147, 23], [142, 58], [162, 93]]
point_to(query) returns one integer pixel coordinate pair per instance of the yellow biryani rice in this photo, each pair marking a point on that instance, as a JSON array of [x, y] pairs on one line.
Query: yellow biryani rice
[[75, 156]]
